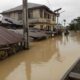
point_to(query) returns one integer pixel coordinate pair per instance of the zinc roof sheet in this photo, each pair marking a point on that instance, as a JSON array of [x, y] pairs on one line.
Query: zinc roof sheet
[[9, 37]]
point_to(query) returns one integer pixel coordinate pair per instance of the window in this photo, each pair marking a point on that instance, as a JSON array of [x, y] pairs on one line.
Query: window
[[53, 18], [19, 15], [30, 14], [45, 15], [41, 27], [48, 28], [49, 16], [41, 13]]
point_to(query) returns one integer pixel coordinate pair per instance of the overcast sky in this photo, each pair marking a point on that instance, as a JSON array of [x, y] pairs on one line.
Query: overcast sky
[[71, 7]]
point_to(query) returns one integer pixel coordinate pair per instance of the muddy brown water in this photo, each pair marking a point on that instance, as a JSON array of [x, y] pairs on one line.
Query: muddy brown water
[[46, 60]]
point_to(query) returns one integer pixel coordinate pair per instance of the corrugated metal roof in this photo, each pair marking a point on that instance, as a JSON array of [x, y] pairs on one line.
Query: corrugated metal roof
[[7, 20], [9, 37], [33, 33], [30, 5]]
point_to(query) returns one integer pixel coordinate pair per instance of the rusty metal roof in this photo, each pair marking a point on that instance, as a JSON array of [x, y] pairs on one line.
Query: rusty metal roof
[[9, 37]]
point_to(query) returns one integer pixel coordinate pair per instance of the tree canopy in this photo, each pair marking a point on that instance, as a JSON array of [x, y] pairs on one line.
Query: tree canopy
[[75, 24]]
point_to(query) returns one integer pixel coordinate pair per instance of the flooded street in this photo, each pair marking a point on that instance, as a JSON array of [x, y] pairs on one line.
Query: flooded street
[[46, 60]]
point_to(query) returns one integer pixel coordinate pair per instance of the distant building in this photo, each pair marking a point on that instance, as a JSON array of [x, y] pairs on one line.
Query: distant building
[[40, 16], [58, 26]]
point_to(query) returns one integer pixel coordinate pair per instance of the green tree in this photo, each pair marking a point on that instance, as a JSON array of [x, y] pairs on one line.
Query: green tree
[[75, 24]]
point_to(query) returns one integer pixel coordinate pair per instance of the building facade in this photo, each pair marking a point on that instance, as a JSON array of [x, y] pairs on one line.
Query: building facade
[[40, 16]]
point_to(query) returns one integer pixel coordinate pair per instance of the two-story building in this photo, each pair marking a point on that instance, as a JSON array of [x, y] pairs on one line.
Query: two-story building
[[40, 16]]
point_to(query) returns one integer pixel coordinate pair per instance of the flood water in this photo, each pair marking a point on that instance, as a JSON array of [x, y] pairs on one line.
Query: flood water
[[46, 60]]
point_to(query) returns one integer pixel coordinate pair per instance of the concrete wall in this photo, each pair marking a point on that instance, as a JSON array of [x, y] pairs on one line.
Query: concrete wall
[[36, 15], [14, 15]]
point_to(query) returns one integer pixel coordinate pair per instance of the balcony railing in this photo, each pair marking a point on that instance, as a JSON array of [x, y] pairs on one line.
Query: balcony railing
[[42, 21], [46, 21]]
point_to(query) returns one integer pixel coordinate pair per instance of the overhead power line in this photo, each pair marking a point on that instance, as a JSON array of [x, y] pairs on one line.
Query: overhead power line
[[50, 3]]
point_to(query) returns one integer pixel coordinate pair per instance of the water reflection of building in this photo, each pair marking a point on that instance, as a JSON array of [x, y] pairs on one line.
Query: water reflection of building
[[59, 42], [20, 65]]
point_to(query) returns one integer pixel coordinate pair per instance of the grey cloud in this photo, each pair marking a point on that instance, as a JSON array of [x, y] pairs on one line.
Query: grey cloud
[[71, 7]]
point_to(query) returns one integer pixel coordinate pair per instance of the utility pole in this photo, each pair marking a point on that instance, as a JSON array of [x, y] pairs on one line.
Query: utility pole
[[57, 18], [64, 22], [25, 24], [57, 14]]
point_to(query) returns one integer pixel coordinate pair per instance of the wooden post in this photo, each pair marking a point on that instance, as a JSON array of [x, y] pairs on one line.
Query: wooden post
[[25, 24]]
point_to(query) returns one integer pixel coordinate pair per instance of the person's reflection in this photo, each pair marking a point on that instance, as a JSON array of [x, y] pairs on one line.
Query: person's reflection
[[59, 41], [66, 39], [59, 57]]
